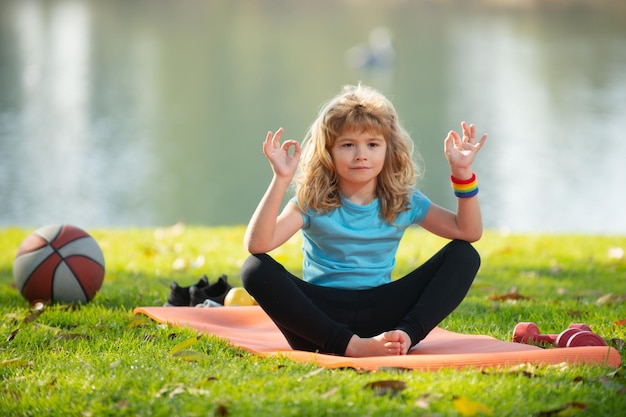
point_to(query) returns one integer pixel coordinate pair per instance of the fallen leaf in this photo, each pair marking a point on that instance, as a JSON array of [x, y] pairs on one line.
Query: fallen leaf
[[561, 366], [138, 321], [468, 408], [11, 394], [329, 393], [511, 295], [190, 355], [312, 373], [18, 362], [567, 410], [575, 313], [386, 387], [205, 381], [423, 401], [526, 370], [12, 335], [36, 310], [513, 372], [172, 390], [48, 328], [620, 322], [184, 344], [610, 299], [221, 410], [71, 336]]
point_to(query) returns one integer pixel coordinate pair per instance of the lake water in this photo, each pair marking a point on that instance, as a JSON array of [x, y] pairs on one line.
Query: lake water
[[147, 113]]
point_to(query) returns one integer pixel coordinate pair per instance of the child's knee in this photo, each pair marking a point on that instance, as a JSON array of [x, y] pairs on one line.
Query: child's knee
[[251, 270], [466, 253]]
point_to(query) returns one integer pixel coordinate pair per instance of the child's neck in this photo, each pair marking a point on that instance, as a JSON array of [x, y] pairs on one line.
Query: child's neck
[[361, 196]]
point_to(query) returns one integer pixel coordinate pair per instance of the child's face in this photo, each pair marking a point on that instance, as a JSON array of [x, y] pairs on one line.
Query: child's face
[[359, 157]]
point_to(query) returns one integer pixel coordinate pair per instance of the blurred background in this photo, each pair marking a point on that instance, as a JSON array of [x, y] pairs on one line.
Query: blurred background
[[150, 112]]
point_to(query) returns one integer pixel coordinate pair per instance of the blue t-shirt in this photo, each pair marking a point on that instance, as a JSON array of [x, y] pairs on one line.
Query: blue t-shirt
[[352, 247]]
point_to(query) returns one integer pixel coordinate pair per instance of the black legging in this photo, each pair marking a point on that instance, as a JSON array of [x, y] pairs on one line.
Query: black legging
[[322, 319]]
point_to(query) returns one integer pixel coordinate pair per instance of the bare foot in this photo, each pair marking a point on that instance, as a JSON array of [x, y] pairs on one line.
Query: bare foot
[[399, 340], [391, 343]]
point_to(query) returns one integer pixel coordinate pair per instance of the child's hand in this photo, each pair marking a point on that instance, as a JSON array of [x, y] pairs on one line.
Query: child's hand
[[283, 164], [460, 152]]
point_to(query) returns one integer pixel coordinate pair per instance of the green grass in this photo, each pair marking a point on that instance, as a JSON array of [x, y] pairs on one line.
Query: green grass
[[98, 360]]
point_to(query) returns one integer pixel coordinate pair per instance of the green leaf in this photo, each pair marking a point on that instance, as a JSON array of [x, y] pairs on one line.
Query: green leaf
[[184, 344], [138, 321], [16, 362], [190, 355]]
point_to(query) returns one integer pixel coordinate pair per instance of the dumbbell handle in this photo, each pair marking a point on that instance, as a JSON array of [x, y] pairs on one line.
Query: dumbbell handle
[[527, 332], [540, 338]]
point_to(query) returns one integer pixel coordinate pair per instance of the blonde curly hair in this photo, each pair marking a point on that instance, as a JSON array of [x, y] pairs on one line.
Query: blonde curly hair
[[364, 109]]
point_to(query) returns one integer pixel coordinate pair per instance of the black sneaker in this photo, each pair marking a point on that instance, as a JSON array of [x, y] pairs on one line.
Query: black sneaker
[[216, 292], [179, 296]]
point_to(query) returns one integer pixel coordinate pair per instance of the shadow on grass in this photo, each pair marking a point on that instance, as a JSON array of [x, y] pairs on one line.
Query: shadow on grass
[[128, 292], [125, 292]]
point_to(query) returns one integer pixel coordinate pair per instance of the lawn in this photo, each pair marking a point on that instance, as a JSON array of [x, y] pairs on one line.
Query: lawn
[[98, 359]]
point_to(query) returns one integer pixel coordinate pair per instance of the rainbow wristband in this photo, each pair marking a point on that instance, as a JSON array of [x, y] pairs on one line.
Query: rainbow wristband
[[465, 188]]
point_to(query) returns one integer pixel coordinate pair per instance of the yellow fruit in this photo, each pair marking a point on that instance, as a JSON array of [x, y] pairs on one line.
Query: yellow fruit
[[238, 296]]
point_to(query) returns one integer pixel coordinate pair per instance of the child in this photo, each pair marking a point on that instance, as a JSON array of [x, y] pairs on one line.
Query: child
[[355, 197]]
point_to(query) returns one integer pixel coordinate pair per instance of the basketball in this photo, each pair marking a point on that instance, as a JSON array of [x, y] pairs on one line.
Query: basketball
[[59, 263]]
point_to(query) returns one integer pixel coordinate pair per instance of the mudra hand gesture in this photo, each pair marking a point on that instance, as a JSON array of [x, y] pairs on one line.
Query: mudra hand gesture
[[460, 151], [283, 163]]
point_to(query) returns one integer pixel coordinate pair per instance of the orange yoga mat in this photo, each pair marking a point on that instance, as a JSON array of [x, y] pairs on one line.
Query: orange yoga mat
[[251, 329]]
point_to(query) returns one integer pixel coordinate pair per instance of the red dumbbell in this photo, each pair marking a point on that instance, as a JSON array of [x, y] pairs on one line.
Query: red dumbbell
[[579, 338], [578, 334]]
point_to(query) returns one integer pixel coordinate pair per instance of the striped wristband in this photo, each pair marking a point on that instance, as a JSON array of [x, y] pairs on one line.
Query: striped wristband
[[465, 188]]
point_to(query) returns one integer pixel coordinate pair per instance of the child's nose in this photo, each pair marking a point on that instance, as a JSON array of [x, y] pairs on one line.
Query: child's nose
[[360, 154]]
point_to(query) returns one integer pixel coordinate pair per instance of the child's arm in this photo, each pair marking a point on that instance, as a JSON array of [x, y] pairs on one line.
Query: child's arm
[[466, 223], [267, 229]]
